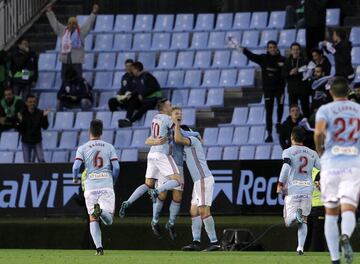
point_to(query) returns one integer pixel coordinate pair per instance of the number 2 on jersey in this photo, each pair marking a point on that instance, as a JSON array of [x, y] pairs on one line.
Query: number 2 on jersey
[[342, 125], [304, 163], [98, 160], [155, 129]]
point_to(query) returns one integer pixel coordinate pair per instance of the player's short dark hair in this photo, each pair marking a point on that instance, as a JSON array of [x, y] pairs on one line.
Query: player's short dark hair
[[138, 66], [30, 96], [298, 134], [293, 106], [340, 87], [129, 61], [21, 39], [96, 127], [295, 44], [318, 51], [340, 32], [273, 42], [161, 103]]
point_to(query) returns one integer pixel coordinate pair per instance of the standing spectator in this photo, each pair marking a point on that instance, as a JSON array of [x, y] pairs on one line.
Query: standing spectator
[[355, 94], [4, 71], [297, 88], [10, 106], [286, 128], [271, 65], [320, 95], [24, 68], [146, 94], [294, 17], [72, 39], [75, 92], [319, 59], [32, 120], [127, 87]]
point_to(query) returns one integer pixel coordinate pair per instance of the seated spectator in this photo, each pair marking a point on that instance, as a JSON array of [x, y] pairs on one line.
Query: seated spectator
[[146, 94], [319, 59], [31, 121], [127, 87], [355, 94], [286, 127], [10, 107], [4, 71], [320, 95], [75, 92], [24, 68]]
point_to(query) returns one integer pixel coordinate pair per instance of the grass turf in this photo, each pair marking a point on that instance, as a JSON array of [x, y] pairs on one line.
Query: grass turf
[[159, 257]]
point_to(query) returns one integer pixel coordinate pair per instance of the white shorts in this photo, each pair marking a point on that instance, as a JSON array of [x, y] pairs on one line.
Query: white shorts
[[160, 165], [340, 186], [294, 202], [202, 194], [163, 180], [104, 197]]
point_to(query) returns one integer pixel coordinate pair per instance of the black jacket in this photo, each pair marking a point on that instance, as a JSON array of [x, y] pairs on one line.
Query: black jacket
[[342, 56], [285, 131], [326, 65], [147, 85], [22, 60], [295, 84], [315, 13], [79, 88], [31, 125], [127, 84], [271, 69]]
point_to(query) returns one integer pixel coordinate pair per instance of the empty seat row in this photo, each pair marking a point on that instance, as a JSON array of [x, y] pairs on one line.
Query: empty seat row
[[198, 97]]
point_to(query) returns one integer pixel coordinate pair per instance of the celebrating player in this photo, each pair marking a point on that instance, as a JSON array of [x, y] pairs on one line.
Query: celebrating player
[[337, 142], [98, 157], [296, 175]]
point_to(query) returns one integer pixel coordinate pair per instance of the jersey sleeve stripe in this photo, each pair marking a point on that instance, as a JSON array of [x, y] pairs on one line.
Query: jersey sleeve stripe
[[77, 158], [114, 159]]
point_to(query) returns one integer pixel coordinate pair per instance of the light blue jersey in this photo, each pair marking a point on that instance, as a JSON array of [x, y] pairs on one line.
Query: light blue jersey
[[161, 126], [296, 172], [97, 156], [195, 160], [178, 154], [342, 142]]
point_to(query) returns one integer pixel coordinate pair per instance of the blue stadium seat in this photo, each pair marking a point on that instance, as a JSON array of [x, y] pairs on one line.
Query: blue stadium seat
[[83, 120], [267, 35], [64, 120], [149, 117], [277, 19], [204, 22], [105, 117], [247, 153], [122, 42], [185, 59], [89, 77], [47, 100], [129, 155], [144, 23], [210, 136], [164, 23], [83, 138], [355, 55], [106, 61], [51, 117], [122, 57], [58, 81], [246, 78], [262, 152], [115, 118], [108, 136], [256, 135], [240, 115], [215, 97], [58, 65], [199, 40], [104, 42], [175, 79], [233, 34], [123, 138], [259, 20], [116, 84], [231, 153], [148, 59], [161, 77], [241, 135], [82, 19], [60, 156], [276, 153], [202, 59], [250, 38], [224, 21], [68, 140], [357, 76], [238, 59], [19, 157], [225, 136], [287, 36], [221, 59], [256, 115], [6, 157], [139, 137], [89, 60], [189, 116], [103, 80], [197, 97], [214, 153], [142, 41], [332, 17], [47, 61], [167, 60], [228, 78], [45, 81], [124, 23], [192, 78], [161, 41], [211, 78], [9, 140], [104, 23], [184, 22], [355, 36], [89, 40], [242, 21], [180, 41], [180, 97], [301, 37], [216, 40], [104, 98]]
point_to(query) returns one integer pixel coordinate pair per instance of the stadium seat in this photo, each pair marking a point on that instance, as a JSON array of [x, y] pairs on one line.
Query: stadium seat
[[68, 140], [64, 120], [184, 22], [116, 84], [197, 97], [192, 78], [214, 153], [211, 78], [105, 117], [167, 60], [58, 65], [49, 139], [357, 76], [238, 59], [241, 135], [258, 20], [180, 97], [250, 39], [104, 98], [164, 23], [287, 37], [247, 153], [58, 81], [104, 42], [234, 35], [175, 79], [301, 37], [242, 21], [221, 59], [123, 138], [332, 17], [161, 41], [115, 118], [82, 19], [202, 59], [60, 156], [180, 41], [88, 76], [89, 40], [216, 40], [231, 153], [108, 136], [104, 23], [267, 35], [144, 23], [124, 23], [19, 157], [210, 136], [83, 120], [276, 152], [149, 117], [47, 61], [83, 138], [89, 60], [9, 140], [355, 36], [225, 136], [6, 157], [122, 42], [224, 21], [277, 19], [189, 116], [106, 61], [185, 59], [256, 135], [228, 78], [239, 116], [45, 81], [215, 97], [142, 41], [256, 115], [139, 137], [355, 55], [246, 78], [148, 59], [262, 152], [103, 80], [199, 40], [129, 155], [51, 117], [47, 100], [204, 22], [122, 57], [161, 77]]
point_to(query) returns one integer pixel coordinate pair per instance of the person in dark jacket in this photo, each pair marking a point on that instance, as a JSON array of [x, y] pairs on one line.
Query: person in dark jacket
[[31, 121], [355, 94], [127, 87], [271, 65], [319, 59], [320, 95], [145, 96], [297, 88], [75, 92], [10, 106], [4, 71], [286, 128], [24, 68]]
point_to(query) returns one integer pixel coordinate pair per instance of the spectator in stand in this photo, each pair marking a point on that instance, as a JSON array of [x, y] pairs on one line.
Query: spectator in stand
[[24, 68], [297, 87], [10, 106], [72, 38], [31, 121], [271, 65], [355, 94], [319, 59], [320, 95], [146, 94], [4, 71], [127, 87], [286, 128], [75, 92], [295, 15]]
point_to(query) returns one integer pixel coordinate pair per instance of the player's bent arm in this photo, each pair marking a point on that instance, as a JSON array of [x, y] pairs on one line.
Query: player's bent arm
[[115, 170], [319, 136], [285, 169], [76, 169], [179, 139], [155, 141]]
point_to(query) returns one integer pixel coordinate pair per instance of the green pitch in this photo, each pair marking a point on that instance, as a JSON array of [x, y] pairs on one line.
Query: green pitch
[[157, 257]]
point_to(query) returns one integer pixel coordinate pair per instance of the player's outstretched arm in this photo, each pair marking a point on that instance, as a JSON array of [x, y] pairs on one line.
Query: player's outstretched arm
[[319, 136], [115, 170], [179, 139], [155, 141], [76, 170]]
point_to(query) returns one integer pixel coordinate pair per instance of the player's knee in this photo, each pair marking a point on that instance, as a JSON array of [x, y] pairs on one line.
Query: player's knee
[[149, 183], [204, 211], [93, 219], [177, 196], [347, 204], [194, 212], [162, 196], [176, 177]]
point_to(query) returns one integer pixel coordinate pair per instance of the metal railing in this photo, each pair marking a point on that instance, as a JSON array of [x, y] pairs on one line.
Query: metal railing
[[16, 16]]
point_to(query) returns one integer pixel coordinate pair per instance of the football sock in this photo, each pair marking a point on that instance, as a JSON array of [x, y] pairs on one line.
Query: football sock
[[196, 225], [210, 228], [332, 236], [348, 223], [157, 207], [169, 185], [96, 233], [173, 210], [138, 193], [302, 232], [106, 217]]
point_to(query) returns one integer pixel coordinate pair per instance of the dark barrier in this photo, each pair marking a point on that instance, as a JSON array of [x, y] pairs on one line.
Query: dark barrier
[[241, 188]]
